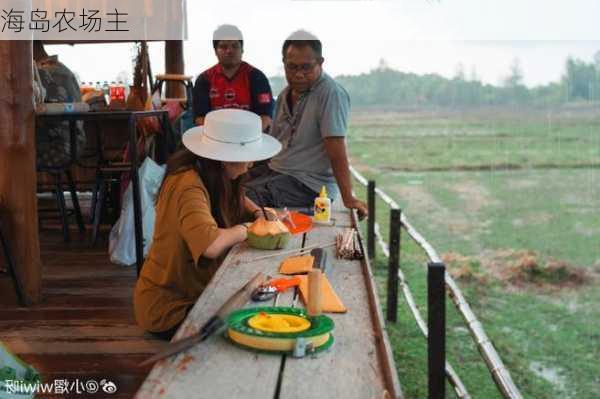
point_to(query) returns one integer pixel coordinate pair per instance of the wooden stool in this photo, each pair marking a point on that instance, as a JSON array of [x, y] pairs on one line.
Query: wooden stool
[[56, 171]]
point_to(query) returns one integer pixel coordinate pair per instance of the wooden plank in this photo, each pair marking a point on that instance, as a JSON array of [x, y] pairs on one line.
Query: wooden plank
[[67, 313], [85, 327], [6, 325], [350, 369], [75, 282], [116, 345], [73, 254], [193, 373], [117, 292], [68, 330], [384, 346], [63, 300], [97, 363], [70, 272]]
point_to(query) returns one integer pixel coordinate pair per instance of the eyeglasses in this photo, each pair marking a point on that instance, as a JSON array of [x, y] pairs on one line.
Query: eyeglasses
[[304, 68]]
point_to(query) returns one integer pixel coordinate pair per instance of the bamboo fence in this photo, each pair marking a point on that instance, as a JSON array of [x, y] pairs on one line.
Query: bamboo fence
[[499, 372]]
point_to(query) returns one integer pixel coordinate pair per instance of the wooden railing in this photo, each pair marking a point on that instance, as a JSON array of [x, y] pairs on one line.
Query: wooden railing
[[436, 300]]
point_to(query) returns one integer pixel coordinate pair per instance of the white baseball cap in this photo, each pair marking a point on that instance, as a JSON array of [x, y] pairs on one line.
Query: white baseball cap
[[231, 135]]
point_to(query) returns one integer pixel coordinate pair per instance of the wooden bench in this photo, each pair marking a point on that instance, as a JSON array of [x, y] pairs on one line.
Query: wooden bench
[[358, 365]]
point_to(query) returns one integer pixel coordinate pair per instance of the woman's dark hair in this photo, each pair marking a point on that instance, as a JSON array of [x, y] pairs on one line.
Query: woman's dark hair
[[226, 196], [302, 38], [227, 32]]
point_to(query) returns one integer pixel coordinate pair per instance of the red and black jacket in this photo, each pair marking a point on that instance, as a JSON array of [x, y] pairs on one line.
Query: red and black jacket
[[248, 89]]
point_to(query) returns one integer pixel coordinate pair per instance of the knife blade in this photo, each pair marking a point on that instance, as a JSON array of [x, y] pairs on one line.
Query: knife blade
[[321, 260]]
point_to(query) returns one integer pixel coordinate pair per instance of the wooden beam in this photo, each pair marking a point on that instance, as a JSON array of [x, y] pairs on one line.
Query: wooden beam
[[174, 65], [18, 179]]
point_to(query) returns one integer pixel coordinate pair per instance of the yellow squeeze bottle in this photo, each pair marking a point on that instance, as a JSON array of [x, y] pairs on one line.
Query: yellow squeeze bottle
[[322, 207]]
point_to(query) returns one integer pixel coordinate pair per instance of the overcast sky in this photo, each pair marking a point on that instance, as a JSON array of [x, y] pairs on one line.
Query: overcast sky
[[421, 36]]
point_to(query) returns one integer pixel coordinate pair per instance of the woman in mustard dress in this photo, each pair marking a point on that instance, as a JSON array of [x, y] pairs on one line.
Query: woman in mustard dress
[[200, 211]]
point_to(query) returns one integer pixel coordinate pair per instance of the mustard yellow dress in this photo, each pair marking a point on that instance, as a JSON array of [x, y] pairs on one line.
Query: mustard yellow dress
[[175, 273]]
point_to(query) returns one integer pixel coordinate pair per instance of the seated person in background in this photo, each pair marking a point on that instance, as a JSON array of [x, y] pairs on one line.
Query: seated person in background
[[311, 118], [199, 211], [232, 83], [53, 146]]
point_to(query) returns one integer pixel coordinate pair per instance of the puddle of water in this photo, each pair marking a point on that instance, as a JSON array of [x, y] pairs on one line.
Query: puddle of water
[[554, 375]]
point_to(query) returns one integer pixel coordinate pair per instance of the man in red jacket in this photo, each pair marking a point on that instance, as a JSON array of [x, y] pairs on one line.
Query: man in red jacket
[[232, 83]]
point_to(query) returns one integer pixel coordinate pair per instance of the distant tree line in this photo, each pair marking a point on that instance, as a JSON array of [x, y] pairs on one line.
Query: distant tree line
[[386, 86]]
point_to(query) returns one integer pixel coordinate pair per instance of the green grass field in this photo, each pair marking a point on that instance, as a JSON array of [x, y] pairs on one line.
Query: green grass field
[[491, 187]]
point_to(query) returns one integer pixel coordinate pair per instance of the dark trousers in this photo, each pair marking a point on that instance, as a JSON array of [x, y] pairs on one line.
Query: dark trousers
[[168, 334], [269, 188]]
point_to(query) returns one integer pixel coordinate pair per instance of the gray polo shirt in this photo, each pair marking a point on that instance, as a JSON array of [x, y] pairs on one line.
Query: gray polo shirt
[[319, 113]]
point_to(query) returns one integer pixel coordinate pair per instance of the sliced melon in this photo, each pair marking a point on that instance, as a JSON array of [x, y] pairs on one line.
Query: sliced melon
[[268, 234]]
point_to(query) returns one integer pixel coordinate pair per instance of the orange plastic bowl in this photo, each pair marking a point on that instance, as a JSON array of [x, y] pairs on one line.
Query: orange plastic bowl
[[302, 222]]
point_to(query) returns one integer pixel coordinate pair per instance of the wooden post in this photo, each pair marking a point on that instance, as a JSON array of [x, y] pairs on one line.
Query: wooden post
[[436, 324], [174, 65], [393, 266], [18, 179], [371, 220]]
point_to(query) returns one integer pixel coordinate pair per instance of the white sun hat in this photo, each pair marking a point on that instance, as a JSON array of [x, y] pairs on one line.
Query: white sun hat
[[231, 135]]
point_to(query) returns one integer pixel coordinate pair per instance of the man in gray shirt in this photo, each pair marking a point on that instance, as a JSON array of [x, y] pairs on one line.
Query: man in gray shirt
[[310, 120]]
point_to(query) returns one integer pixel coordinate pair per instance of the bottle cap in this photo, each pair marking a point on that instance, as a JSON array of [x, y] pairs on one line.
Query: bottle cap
[[323, 193]]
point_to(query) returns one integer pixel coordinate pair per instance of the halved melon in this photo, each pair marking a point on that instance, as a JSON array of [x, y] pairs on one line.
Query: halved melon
[[268, 234]]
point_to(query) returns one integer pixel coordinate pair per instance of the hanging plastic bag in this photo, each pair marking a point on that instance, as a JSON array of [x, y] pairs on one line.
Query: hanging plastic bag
[[121, 246], [18, 380]]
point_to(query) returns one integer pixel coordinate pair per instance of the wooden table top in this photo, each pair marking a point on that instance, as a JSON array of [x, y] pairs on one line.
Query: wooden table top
[[358, 365]]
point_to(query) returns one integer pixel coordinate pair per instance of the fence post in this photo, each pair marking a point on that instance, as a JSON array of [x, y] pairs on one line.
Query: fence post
[[393, 266], [436, 323], [371, 220]]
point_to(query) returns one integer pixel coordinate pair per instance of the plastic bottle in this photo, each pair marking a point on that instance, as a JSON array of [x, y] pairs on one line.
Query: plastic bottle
[[322, 207], [106, 91], [125, 90], [112, 91], [85, 88]]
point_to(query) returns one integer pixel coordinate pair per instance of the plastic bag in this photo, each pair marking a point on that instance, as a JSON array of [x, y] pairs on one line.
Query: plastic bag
[[121, 246], [17, 379]]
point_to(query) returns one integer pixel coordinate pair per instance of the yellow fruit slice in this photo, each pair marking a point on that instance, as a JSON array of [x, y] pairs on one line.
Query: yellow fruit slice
[[278, 323]]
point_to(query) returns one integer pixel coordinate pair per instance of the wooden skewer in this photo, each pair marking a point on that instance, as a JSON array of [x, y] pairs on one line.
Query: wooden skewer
[[288, 216], [347, 246], [289, 252]]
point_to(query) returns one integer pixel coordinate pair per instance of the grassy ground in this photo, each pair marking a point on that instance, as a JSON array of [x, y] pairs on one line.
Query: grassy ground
[[491, 187]]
